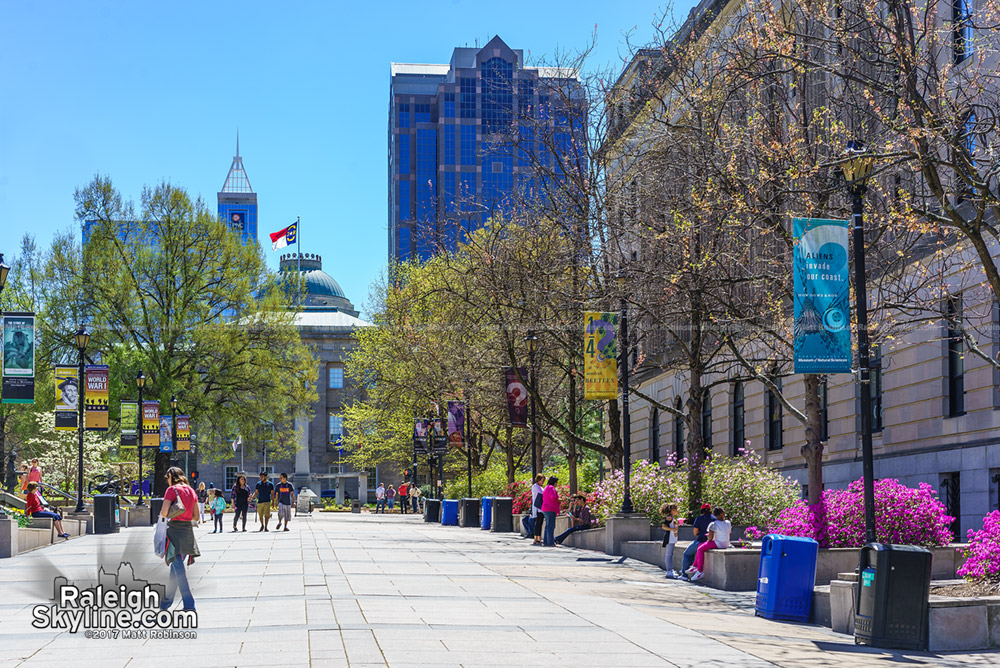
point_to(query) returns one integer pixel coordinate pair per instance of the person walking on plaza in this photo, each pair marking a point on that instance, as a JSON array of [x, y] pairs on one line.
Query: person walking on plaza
[[284, 494], [35, 473], [579, 517], [263, 493], [380, 499], [217, 506], [404, 498], [181, 545], [240, 499], [700, 527], [23, 473], [202, 500], [718, 539], [550, 508], [530, 522], [670, 525], [33, 508], [415, 497], [390, 497]]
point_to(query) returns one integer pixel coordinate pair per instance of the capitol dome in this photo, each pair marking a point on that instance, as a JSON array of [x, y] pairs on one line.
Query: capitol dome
[[323, 293]]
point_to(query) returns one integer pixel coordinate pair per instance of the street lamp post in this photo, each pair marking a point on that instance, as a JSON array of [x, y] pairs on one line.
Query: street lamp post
[[82, 339], [532, 340], [468, 433], [140, 382], [173, 427], [626, 418], [4, 270], [857, 168]]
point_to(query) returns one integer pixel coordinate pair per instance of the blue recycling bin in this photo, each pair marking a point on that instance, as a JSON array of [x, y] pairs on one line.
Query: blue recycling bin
[[486, 505], [786, 577], [449, 512]]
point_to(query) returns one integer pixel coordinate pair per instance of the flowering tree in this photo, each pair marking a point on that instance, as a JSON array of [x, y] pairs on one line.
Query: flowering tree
[[982, 563], [58, 452], [650, 487], [749, 491], [903, 515]]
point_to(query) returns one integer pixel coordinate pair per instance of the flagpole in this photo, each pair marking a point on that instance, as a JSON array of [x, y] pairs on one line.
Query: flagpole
[[298, 247]]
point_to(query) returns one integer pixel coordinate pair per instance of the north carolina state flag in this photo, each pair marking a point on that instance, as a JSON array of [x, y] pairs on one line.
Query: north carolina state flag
[[284, 237]]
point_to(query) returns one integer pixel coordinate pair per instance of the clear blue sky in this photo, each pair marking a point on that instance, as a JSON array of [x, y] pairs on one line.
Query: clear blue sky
[[146, 91]]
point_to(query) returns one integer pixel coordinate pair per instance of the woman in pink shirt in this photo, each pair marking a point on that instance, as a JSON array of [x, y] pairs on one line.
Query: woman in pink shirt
[[550, 507]]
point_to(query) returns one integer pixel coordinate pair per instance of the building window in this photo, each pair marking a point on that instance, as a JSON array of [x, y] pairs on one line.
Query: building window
[[498, 98], [372, 483], [543, 107], [679, 430], [739, 417], [951, 494], [706, 419], [403, 115], [525, 96], [422, 113], [405, 248], [824, 412], [426, 174], [336, 378], [956, 357], [961, 19], [654, 434], [269, 469], [775, 437], [449, 105], [405, 208], [403, 149], [231, 474], [449, 144], [336, 428], [875, 376], [449, 192], [467, 97], [468, 139]]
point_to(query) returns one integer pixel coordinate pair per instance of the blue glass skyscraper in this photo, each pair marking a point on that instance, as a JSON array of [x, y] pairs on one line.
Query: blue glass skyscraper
[[238, 202], [451, 166]]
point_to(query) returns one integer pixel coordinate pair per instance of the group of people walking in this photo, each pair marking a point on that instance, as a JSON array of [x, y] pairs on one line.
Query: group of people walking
[[265, 495]]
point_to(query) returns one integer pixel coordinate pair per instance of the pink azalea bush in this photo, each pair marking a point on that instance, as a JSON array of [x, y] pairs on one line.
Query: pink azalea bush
[[982, 563], [903, 515]]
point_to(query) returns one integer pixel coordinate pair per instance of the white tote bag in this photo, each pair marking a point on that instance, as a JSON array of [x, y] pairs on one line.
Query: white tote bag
[[160, 537]]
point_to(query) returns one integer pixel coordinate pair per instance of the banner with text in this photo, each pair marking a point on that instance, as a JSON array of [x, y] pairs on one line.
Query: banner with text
[[821, 296], [151, 424], [456, 424], [420, 437], [130, 424], [166, 435], [95, 400], [600, 355], [18, 358], [183, 433], [439, 440], [517, 396], [67, 397]]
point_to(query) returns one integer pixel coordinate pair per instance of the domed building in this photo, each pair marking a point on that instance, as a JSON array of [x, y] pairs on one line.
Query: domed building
[[327, 324]]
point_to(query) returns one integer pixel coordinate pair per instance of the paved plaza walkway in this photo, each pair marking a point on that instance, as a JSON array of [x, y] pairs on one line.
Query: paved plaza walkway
[[390, 590]]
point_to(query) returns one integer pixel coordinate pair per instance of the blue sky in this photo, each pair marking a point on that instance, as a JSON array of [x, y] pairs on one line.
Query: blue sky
[[146, 91]]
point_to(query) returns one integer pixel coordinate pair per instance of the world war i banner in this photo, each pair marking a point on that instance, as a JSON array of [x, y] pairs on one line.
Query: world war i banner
[[821, 294], [95, 401], [151, 424], [183, 433], [18, 358], [67, 397]]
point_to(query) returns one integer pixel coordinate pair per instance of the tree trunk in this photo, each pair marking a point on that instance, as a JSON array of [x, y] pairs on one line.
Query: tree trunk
[[573, 425], [160, 466], [812, 451], [696, 454]]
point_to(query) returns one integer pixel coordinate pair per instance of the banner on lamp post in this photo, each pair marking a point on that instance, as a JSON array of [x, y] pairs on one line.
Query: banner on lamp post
[[67, 404], [600, 355], [183, 433], [439, 440], [151, 424], [456, 424], [129, 424], [517, 396], [420, 436], [18, 358], [166, 434], [821, 291], [95, 401]]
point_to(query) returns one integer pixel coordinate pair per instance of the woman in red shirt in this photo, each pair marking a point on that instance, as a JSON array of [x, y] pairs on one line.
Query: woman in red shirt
[[181, 545], [550, 506], [33, 508]]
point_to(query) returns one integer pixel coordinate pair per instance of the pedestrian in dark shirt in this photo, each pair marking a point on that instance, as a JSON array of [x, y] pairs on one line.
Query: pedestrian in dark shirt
[[240, 499], [700, 526], [284, 494], [263, 493]]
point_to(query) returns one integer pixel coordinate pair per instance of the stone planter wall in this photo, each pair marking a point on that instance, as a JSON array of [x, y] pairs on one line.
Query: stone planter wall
[[590, 539], [562, 523]]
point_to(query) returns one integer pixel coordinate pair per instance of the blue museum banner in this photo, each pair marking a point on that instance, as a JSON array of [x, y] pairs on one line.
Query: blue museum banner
[[822, 296]]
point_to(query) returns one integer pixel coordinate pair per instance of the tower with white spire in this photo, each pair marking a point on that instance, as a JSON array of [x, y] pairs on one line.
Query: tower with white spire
[[237, 200]]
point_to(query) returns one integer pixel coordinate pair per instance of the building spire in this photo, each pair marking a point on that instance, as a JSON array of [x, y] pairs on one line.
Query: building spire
[[237, 142]]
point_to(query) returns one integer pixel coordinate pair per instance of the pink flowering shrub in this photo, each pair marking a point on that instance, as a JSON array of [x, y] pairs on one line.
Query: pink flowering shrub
[[903, 515], [983, 553], [650, 485]]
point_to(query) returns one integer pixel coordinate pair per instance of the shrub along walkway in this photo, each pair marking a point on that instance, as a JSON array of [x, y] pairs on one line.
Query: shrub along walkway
[[357, 590]]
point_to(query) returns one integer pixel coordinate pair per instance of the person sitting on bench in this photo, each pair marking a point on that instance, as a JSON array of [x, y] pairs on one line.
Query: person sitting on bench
[[34, 509]]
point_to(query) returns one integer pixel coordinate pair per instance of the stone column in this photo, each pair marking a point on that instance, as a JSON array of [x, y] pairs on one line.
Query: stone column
[[302, 477]]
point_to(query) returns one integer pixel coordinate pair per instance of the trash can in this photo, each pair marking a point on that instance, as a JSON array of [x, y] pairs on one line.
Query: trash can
[[449, 512], [106, 513], [355, 505], [892, 607], [155, 503], [432, 510], [503, 515], [468, 515], [786, 577], [486, 513]]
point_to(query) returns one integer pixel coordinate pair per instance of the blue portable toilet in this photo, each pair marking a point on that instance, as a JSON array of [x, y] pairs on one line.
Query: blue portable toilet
[[786, 577], [449, 512], [486, 505]]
